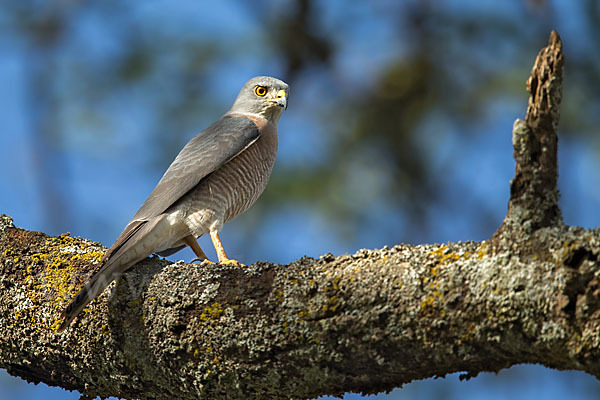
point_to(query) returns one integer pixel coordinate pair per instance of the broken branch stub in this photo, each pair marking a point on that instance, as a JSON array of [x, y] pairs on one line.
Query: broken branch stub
[[534, 195]]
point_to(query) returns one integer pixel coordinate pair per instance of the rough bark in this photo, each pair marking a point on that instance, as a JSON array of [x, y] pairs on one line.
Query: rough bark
[[366, 322]]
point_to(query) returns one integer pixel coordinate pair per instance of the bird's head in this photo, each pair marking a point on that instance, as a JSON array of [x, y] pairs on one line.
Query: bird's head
[[263, 95]]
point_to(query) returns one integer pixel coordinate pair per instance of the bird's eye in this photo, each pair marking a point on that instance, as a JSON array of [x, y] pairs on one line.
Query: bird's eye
[[260, 91]]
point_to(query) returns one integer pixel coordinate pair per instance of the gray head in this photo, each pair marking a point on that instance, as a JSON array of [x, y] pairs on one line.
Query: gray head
[[263, 95]]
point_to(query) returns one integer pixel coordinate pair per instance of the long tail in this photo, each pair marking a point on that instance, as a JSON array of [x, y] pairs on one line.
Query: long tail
[[89, 292], [135, 246]]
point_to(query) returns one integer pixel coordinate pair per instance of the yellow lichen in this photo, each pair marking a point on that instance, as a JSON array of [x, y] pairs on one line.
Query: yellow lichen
[[427, 302], [49, 277], [211, 312], [444, 254], [336, 283]]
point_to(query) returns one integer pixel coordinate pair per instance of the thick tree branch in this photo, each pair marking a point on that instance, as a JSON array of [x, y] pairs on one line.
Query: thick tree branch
[[366, 322]]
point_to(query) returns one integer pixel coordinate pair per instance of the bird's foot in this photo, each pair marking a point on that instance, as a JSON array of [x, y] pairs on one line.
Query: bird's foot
[[201, 260], [234, 263]]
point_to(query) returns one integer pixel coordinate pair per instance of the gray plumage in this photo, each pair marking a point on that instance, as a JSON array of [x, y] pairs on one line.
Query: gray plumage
[[215, 177]]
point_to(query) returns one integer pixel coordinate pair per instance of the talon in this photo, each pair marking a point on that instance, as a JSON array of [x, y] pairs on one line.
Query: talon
[[201, 260], [234, 263]]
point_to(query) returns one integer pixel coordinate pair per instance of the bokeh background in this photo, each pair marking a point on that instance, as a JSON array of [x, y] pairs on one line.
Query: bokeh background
[[398, 128]]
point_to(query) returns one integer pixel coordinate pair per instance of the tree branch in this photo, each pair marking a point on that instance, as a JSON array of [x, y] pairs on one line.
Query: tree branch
[[365, 322], [533, 193]]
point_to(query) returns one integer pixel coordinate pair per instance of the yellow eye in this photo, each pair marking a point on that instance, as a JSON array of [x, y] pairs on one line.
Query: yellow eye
[[260, 91]]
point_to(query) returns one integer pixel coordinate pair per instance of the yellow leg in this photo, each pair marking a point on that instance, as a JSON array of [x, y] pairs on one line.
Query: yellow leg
[[223, 259], [191, 241]]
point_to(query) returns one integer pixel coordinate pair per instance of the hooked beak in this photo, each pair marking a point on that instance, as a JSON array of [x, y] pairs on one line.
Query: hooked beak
[[280, 99]]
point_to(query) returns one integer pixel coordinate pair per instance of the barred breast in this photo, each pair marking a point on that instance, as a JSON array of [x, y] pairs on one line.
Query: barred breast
[[233, 188]]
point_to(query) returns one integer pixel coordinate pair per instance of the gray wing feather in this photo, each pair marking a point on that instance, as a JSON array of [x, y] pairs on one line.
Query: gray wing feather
[[203, 155]]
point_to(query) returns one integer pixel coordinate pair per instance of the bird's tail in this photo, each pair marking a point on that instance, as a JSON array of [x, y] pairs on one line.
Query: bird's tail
[[90, 291], [134, 245]]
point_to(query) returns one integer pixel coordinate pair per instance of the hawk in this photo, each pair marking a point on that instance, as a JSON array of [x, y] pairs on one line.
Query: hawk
[[217, 176]]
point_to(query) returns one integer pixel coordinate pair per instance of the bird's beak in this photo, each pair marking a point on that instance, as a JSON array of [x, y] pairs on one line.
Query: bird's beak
[[280, 99]]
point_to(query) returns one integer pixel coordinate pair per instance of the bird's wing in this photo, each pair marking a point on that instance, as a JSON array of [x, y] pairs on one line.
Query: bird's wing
[[204, 154]]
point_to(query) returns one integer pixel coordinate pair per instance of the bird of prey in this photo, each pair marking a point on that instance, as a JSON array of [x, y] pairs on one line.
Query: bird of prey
[[216, 177]]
